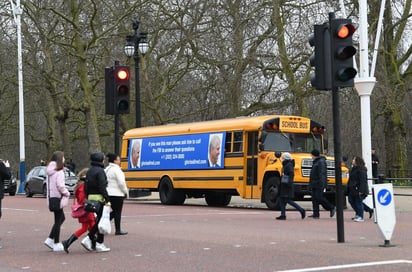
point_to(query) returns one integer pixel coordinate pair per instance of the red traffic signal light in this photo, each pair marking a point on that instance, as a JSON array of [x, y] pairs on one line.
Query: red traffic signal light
[[343, 73], [345, 30], [122, 89], [123, 73]]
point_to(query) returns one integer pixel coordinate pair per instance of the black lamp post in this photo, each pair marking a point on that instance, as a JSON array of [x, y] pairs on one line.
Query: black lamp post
[[134, 44]]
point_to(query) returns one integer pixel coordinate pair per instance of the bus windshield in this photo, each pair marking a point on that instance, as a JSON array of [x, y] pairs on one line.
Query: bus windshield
[[290, 142]]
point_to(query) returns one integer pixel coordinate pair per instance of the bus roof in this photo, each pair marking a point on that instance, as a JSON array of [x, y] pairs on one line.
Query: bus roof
[[240, 123]]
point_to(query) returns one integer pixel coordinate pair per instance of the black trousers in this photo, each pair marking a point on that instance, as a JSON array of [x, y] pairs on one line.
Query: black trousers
[[116, 213], [58, 221], [319, 199], [95, 230]]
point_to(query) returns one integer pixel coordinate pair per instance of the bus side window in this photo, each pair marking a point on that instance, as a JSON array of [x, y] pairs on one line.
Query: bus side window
[[238, 141], [228, 142], [252, 143], [128, 148]]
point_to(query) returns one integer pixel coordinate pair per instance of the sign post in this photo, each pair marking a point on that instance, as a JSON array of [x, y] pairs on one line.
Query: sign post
[[384, 204]]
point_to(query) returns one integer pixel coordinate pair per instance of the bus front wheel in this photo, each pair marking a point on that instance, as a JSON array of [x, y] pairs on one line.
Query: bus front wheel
[[270, 193], [168, 195]]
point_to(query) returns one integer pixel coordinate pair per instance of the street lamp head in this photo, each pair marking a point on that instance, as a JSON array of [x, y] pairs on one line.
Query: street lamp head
[[143, 44], [129, 47]]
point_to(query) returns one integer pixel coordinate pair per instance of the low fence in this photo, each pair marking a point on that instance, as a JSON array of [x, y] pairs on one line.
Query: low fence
[[395, 181]]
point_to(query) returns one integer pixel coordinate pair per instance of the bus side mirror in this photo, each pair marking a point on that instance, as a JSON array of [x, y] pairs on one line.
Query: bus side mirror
[[261, 147]]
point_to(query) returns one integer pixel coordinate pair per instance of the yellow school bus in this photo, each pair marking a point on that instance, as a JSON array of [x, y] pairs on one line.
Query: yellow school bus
[[219, 159]]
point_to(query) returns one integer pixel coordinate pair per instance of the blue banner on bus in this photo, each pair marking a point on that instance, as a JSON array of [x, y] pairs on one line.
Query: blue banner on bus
[[193, 151]]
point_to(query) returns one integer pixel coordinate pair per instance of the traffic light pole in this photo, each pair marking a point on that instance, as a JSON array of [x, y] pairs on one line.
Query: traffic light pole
[[338, 171]]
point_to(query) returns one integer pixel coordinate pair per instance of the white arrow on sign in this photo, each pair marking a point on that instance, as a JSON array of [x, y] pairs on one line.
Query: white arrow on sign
[[384, 197]]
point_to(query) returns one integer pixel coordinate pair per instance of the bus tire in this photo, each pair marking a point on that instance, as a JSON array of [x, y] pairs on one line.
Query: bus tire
[[270, 193], [217, 199], [168, 195]]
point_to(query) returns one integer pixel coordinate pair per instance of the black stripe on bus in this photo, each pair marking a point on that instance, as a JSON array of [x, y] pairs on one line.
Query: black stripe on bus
[[234, 155], [202, 178], [184, 178], [143, 179]]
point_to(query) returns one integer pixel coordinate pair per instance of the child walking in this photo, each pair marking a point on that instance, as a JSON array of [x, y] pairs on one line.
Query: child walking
[[89, 219]]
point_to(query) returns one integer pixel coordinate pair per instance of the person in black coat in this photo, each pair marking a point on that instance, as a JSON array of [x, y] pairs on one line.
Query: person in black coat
[[95, 189], [358, 187], [317, 183], [4, 174], [286, 190], [375, 163]]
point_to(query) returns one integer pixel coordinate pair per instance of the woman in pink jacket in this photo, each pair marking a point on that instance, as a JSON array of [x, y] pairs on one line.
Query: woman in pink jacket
[[56, 188]]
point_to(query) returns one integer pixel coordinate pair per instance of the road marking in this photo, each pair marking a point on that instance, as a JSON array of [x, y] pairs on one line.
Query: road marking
[[24, 210], [198, 214], [323, 268]]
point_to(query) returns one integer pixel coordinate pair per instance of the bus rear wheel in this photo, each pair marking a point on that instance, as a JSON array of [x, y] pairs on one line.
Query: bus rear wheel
[[270, 193], [168, 195], [217, 199]]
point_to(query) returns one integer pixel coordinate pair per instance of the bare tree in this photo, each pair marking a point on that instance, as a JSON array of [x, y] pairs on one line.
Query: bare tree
[[394, 83]]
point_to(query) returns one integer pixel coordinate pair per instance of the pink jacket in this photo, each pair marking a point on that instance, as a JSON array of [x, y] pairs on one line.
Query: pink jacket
[[56, 185]]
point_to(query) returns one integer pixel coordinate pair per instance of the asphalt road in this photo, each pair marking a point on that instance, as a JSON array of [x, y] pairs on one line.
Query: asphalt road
[[195, 237]]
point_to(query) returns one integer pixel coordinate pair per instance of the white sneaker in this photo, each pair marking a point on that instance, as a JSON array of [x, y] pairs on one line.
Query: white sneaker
[[87, 243], [58, 247], [49, 243], [100, 247], [358, 219]]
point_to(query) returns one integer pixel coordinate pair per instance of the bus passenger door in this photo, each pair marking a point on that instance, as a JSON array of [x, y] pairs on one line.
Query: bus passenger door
[[251, 186]]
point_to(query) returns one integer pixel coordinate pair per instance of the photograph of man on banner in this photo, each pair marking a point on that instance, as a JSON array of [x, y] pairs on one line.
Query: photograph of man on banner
[[215, 147]]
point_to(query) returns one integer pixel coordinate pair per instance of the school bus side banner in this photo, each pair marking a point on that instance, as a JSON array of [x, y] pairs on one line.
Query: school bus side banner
[[191, 151]]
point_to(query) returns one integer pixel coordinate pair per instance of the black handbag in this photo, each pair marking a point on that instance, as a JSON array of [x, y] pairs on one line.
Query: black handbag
[[54, 204], [92, 205]]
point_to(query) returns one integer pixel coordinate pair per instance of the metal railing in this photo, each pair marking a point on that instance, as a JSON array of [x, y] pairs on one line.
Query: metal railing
[[395, 181]]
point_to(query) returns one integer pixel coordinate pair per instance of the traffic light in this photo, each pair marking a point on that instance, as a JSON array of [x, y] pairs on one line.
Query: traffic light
[[320, 59], [121, 87], [343, 73], [109, 90]]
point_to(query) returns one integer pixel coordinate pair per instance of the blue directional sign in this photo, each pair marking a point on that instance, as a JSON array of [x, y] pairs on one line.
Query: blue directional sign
[[384, 208], [384, 197]]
